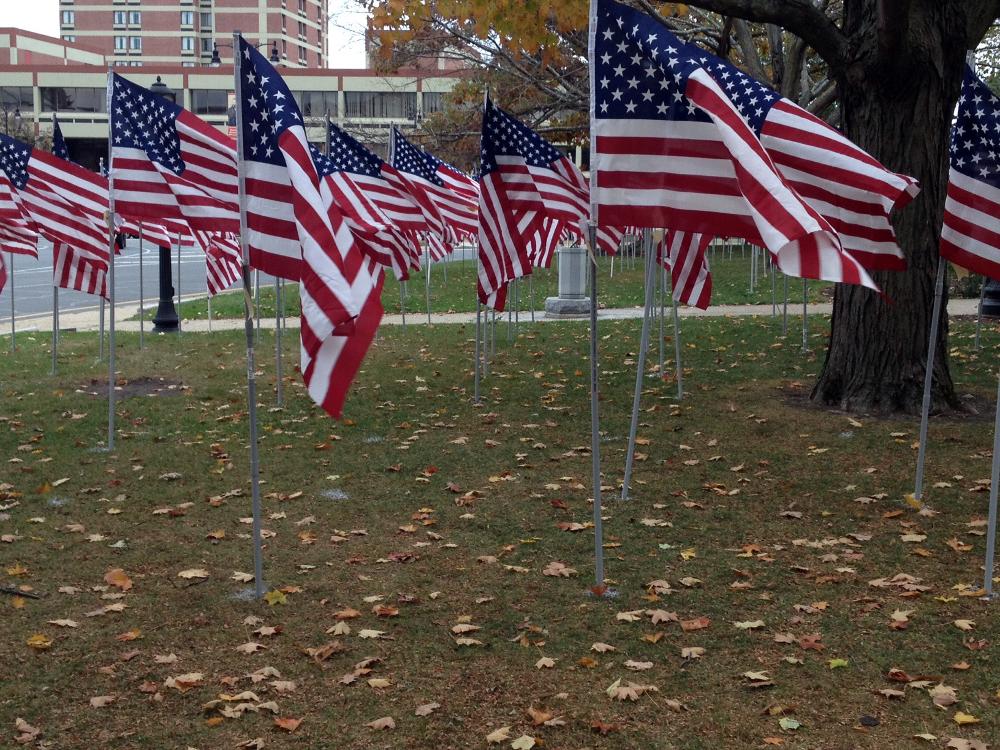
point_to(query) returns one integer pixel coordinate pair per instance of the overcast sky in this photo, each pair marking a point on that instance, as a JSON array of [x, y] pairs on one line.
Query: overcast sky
[[346, 26]]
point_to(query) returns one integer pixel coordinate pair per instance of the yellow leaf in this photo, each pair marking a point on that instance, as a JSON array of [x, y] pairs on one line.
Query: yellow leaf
[[39, 642], [962, 718], [275, 597]]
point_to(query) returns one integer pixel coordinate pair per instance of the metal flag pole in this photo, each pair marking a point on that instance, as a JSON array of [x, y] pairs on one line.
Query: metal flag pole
[[111, 277], [479, 316], [402, 304], [784, 314], [678, 368], [13, 324], [991, 524], [595, 425], [517, 306], [512, 297], [979, 313], [753, 268], [640, 373], [256, 277], [180, 316], [427, 287], [925, 409], [531, 295], [209, 313], [280, 396], [258, 553], [55, 326], [805, 316], [662, 274], [774, 298], [142, 298], [100, 334], [493, 337]]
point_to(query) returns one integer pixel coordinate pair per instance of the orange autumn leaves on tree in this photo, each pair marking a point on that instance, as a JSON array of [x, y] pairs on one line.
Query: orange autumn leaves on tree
[[522, 26]]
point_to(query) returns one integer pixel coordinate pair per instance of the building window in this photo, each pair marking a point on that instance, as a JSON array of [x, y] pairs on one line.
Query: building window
[[68, 17], [302, 7], [302, 55], [73, 99], [187, 44], [433, 102], [135, 18], [302, 30], [209, 101], [187, 63], [121, 43], [16, 97], [384, 104], [119, 18], [317, 103], [187, 18], [135, 63], [135, 43], [69, 37], [206, 21], [206, 46]]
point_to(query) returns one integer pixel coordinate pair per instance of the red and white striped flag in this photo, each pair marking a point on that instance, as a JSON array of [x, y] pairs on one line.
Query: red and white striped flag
[[79, 270], [167, 163], [680, 149], [223, 260], [64, 201], [525, 180], [443, 191], [340, 294], [685, 255], [970, 236]]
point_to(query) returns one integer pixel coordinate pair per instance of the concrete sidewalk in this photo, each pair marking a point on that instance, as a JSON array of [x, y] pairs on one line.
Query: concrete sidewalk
[[89, 320]]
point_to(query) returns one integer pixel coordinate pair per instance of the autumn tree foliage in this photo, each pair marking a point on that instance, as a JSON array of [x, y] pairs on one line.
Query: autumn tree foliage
[[888, 72]]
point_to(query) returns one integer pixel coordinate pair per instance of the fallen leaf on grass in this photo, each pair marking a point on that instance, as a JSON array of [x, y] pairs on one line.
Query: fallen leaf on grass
[[26, 733], [962, 718], [116, 577], [65, 623], [426, 709], [193, 573], [601, 648], [557, 570], [964, 624], [750, 625], [287, 723], [386, 722], [39, 642], [545, 663], [524, 742], [957, 743], [100, 701], [692, 652], [498, 735]]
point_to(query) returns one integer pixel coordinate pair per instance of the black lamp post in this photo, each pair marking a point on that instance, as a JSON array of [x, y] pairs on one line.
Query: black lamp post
[[216, 60], [166, 319]]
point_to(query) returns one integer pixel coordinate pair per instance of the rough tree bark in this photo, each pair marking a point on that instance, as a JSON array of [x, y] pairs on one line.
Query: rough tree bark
[[898, 68]]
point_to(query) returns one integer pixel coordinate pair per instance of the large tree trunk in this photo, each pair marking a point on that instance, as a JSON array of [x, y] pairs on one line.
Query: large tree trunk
[[898, 94]]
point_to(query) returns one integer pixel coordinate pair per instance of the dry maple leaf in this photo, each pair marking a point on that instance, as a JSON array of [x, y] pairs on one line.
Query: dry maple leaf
[[193, 573], [287, 723], [386, 722], [116, 577], [558, 569], [251, 647], [498, 735], [426, 709], [26, 733], [638, 666], [524, 742], [545, 663], [100, 701], [692, 652], [539, 716], [601, 648]]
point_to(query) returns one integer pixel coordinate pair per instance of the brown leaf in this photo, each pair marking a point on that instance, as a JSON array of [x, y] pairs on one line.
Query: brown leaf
[[386, 722], [287, 723], [116, 577]]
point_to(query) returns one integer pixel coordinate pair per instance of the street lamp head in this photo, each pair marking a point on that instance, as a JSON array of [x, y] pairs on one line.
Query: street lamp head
[[17, 117], [216, 60], [275, 58], [162, 89]]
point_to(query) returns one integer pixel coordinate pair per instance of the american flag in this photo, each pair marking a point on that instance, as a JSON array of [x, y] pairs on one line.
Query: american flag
[[673, 150], [525, 180], [59, 147], [970, 236], [168, 163], [340, 292], [223, 260], [79, 270], [685, 255], [66, 202], [544, 242], [440, 188], [347, 176], [18, 233]]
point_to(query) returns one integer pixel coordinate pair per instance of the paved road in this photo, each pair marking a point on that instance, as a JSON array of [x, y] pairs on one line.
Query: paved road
[[33, 280]]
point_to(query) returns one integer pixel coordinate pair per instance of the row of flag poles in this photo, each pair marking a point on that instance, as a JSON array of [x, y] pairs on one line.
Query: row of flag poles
[[684, 148]]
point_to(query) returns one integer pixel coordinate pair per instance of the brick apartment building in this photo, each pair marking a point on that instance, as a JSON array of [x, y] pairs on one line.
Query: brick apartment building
[[186, 32]]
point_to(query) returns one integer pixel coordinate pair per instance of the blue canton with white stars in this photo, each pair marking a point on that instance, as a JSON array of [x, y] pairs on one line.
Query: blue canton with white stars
[[347, 154], [14, 158], [642, 70], [59, 147], [975, 137], [408, 158], [269, 108], [503, 135], [146, 121]]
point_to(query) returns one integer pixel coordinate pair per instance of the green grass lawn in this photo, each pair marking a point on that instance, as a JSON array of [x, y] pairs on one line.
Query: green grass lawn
[[770, 583], [731, 285]]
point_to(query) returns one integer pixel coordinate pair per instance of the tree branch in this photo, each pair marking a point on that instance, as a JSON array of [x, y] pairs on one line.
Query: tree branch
[[751, 57], [801, 17]]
